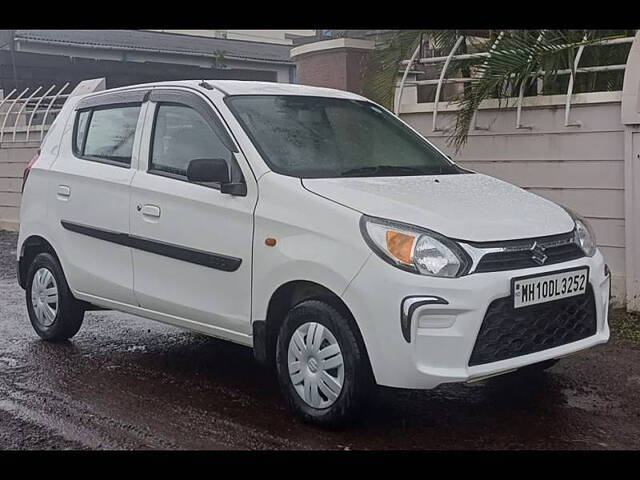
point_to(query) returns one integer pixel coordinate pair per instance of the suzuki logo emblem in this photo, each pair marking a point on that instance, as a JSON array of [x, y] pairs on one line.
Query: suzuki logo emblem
[[537, 253]]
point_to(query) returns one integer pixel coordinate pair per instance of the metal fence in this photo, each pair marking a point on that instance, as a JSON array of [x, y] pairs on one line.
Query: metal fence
[[445, 61], [25, 116]]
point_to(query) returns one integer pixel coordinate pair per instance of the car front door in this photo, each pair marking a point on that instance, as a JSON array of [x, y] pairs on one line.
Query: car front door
[[192, 244]]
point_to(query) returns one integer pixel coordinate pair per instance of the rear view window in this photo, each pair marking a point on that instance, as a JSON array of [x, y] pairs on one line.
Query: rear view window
[[106, 134]]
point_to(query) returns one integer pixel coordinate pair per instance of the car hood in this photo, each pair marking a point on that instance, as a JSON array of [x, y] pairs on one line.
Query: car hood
[[472, 207]]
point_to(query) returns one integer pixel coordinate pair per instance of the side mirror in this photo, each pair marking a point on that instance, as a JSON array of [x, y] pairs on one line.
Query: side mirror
[[214, 170], [208, 170]]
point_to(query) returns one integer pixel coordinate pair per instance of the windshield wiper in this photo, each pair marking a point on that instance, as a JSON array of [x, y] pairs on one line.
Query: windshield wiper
[[382, 170]]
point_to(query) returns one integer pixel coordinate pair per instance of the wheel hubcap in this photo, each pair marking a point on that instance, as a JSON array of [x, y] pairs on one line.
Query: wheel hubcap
[[316, 366], [44, 297]]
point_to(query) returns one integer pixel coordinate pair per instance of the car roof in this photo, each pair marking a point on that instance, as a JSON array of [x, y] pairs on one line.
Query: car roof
[[245, 87]]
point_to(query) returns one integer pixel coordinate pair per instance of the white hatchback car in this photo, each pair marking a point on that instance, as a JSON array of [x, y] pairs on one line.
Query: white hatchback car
[[310, 224]]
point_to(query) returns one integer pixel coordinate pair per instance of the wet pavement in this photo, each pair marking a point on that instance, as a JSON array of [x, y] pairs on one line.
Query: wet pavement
[[124, 382]]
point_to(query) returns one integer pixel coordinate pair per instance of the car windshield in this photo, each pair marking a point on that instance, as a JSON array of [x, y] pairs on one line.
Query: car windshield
[[322, 137]]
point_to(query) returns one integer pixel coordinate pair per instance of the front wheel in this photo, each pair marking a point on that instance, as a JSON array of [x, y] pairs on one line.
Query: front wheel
[[322, 368], [54, 313]]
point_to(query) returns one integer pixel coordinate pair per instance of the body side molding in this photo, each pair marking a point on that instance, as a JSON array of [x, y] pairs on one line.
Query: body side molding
[[185, 254]]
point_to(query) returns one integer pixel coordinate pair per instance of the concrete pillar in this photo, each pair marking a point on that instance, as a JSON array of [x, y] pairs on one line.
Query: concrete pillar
[[631, 122], [89, 86], [337, 63]]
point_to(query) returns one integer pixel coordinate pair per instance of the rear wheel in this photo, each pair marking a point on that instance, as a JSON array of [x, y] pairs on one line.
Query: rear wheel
[[322, 369], [54, 313]]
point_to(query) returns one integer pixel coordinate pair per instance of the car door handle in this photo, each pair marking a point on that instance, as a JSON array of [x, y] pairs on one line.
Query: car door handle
[[64, 192], [151, 211]]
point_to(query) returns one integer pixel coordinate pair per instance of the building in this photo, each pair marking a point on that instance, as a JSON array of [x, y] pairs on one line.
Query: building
[[32, 58], [282, 37]]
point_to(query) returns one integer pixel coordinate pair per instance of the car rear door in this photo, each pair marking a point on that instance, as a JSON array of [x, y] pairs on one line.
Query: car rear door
[[192, 244], [92, 177]]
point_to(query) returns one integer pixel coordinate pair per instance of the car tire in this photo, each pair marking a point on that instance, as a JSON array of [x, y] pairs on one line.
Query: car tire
[[323, 388], [54, 313]]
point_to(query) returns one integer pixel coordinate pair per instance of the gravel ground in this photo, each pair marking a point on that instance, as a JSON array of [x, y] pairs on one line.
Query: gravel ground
[[128, 383]]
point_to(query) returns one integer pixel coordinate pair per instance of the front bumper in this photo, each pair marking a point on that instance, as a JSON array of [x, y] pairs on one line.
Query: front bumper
[[442, 335]]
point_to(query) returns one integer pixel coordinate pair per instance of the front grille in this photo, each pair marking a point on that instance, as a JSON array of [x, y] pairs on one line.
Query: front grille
[[507, 332], [518, 254], [500, 261]]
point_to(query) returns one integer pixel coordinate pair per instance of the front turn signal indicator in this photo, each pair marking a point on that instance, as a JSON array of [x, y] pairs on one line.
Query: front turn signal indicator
[[400, 245]]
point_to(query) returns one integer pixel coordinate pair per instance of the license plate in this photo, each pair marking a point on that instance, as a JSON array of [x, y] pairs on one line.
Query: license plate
[[549, 287]]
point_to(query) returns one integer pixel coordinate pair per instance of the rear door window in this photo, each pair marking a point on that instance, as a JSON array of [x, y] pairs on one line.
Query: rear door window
[[106, 134]]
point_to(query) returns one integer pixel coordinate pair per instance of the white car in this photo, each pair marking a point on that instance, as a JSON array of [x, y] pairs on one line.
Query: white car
[[310, 224]]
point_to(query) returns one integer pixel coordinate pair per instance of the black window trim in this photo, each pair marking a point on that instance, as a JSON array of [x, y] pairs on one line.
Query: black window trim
[[75, 129], [91, 109], [191, 100], [182, 178]]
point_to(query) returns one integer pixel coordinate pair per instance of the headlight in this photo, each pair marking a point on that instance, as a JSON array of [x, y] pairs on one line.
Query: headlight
[[414, 249], [584, 235]]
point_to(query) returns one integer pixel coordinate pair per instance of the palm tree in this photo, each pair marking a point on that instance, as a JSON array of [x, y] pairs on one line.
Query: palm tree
[[517, 60]]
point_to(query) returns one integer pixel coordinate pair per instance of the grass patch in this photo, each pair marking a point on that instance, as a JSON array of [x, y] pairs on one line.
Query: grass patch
[[624, 325]]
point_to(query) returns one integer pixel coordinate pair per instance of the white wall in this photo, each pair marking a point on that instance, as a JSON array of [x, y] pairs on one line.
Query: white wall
[[579, 167], [13, 160]]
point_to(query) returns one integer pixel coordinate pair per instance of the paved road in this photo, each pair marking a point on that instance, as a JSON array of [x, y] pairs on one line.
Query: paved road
[[128, 383]]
